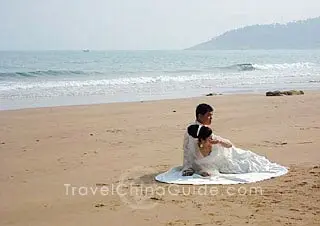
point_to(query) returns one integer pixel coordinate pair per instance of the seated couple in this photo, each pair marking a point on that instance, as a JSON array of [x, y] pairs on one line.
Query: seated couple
[[207, 154]]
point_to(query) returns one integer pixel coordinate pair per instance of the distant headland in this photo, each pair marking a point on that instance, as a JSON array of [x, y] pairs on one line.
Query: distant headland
[[303, 34]]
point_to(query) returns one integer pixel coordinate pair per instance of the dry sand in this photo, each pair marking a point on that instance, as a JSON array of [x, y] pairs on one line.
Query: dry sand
[[43, 149]]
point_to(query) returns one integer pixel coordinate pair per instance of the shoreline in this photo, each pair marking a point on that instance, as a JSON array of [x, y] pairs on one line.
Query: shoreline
[[258, 93]]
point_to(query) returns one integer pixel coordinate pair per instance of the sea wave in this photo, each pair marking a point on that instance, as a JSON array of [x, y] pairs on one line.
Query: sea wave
[[242, 67], [300, 65], [201, 78], [51, 84], [45, 73], [252, 67]]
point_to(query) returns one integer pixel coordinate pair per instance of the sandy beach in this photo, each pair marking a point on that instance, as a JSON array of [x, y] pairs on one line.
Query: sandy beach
[[46, 151]]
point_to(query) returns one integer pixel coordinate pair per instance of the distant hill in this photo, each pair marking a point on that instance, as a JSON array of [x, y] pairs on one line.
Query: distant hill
[[304, 34]]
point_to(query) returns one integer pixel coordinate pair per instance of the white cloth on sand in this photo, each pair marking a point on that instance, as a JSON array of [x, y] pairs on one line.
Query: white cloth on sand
[[226, 166]]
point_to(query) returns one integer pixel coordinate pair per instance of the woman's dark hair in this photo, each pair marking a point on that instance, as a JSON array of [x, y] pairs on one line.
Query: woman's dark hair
[[203, 109], [204, 132]]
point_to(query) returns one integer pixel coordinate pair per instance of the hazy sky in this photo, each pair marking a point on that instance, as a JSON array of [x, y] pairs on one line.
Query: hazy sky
[[135, 24]]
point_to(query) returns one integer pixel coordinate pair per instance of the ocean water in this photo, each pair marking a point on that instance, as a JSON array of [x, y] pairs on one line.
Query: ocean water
[[55, 78]]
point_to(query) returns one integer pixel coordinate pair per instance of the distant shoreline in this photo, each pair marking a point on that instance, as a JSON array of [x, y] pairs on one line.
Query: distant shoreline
[[214, 95]]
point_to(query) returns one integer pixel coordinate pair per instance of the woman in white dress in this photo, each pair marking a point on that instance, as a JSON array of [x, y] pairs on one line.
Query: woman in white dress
[[204, 113], [213, 155]]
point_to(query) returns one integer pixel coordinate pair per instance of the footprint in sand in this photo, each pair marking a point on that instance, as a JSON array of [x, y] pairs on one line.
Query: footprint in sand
[[305, 142], [156, 199], [275, 201], [101, 184], [276, 142], [303, 183], [114, 130], [177, 201], [296, 210], [219, 222], [177, 222]]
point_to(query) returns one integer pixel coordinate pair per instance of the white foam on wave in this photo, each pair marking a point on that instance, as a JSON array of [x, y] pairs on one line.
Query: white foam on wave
[[301, 65], [46, 84], [144, 80], [163, 83]]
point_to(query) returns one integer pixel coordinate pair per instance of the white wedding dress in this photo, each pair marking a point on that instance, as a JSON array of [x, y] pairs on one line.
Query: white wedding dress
[[225, 166], [236, 161]]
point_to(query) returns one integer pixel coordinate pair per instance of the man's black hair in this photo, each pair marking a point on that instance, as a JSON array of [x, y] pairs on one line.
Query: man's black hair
[[203, 109]]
